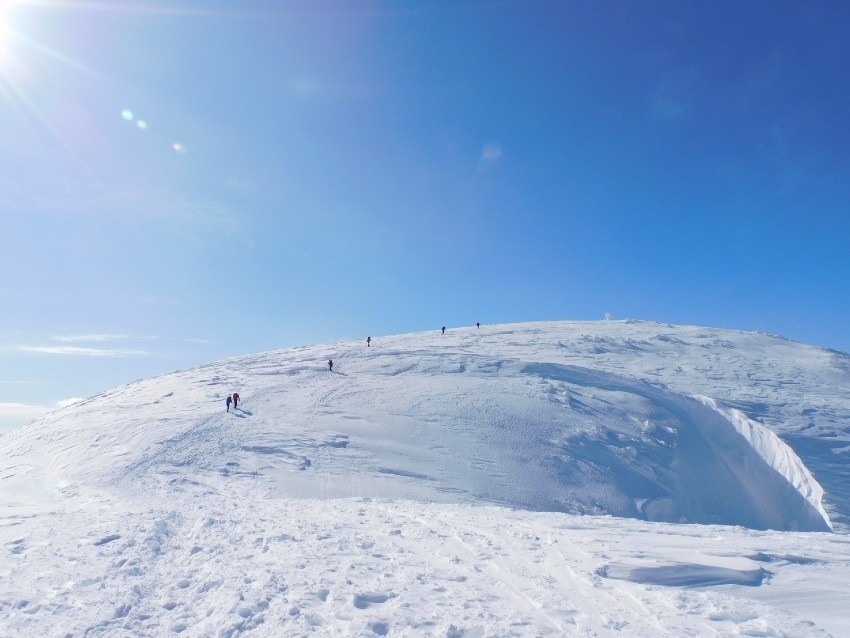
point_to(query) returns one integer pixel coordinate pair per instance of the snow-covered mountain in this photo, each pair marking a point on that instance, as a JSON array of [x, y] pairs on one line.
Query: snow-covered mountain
[[447, 485]]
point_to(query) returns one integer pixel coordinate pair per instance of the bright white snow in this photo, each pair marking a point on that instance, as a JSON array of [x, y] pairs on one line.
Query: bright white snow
[[507, 481]]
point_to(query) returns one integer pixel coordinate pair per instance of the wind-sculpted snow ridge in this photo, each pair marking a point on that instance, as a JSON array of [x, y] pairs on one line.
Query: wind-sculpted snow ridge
[[777, 455], [666, 457], [429, 486]]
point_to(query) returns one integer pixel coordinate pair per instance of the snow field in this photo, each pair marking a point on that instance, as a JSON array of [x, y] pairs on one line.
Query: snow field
[[431, 486], [366, 567]]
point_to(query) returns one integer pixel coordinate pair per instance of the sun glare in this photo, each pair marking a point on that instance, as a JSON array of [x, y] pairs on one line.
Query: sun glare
[[6, 33]]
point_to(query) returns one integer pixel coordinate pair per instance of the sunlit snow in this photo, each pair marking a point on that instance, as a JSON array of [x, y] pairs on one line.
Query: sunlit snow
[[545, 479]]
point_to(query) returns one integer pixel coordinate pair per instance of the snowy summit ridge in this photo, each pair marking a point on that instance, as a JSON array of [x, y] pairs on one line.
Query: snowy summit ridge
[[637, 420], [631, 419]]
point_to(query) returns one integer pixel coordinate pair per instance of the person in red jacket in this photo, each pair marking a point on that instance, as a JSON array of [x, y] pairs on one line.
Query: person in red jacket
[[235, 399]]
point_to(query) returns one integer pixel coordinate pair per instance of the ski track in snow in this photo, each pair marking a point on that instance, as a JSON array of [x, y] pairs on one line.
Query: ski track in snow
[[431, 485]]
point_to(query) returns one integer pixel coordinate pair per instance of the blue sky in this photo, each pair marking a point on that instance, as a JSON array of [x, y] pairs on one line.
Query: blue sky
[[185, 181]]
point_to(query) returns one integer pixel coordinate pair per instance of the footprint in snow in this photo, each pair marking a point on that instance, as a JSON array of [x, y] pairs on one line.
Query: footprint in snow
[[364, 601], [107, 539], [17, 546]]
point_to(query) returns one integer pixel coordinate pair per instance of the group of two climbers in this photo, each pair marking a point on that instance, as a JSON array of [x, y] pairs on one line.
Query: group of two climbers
[[234, 398]]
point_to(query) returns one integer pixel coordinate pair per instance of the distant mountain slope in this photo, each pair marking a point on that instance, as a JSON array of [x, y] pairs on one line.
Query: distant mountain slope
[[634, 419]]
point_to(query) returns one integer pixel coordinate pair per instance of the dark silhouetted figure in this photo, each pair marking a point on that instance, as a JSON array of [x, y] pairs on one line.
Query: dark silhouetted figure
[[368, 341], [444, 330], [227, 401], [478, 325], [235, 399], [330, 365]]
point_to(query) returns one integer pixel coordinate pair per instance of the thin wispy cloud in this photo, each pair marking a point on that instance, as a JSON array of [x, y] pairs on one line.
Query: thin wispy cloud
[[94, 338], [20, 412], [491, 155], [75, 351], [16, 414], [87, 345], [13, 415]]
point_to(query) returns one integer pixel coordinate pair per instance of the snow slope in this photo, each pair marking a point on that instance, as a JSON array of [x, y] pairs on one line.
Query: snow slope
[[431, 484]]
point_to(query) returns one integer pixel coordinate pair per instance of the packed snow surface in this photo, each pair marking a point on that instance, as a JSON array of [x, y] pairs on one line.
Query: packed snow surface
[[546, 479]]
